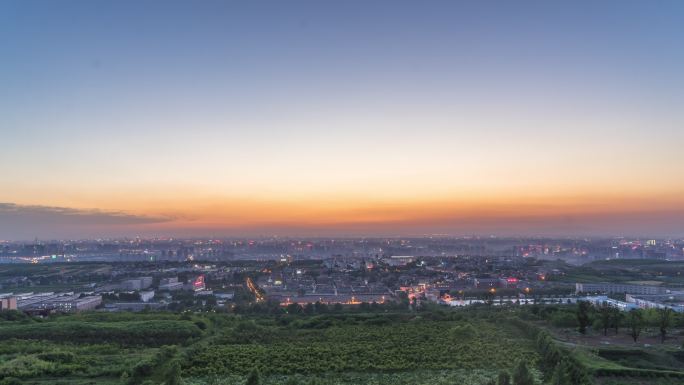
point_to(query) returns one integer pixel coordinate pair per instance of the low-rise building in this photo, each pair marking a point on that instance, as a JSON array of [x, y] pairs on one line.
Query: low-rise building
[[147, 295], [672, 302], [170, 284], [602, 300], [139, 283], [618, 288], [64, 302], [8, 303], [132, 306]]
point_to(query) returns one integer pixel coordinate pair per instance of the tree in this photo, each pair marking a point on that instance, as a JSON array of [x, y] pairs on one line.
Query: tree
[[11, 381], [321, 307], [504, 378], [522, 375], [605, 314], [615, 319], [560, 375], [294, 308], [254, 377], [489, 297], [635, 322], [309, 308], [664, 320], [173, 375], [583, 316], [125, 378]]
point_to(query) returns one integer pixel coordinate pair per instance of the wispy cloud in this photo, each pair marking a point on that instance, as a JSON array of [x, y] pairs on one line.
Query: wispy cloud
[[27, 221]]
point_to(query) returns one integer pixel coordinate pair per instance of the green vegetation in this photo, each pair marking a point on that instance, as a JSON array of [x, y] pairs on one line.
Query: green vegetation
[[479, 345], [646, 271], [94, 348], [148, 333], [354, 347], [414, 377], [338, 343]]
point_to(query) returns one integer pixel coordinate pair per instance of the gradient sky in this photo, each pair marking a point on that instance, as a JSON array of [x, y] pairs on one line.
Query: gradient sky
[[341, 118]]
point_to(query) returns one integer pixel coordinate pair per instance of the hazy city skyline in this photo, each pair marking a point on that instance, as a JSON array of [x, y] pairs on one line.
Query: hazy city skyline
[[349, 118]]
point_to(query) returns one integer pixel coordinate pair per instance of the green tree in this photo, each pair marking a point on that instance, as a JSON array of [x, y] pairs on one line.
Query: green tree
[[254, 377], [309, 308], [635, 321], [11, 381], [125, 378], [173, 374], [294, 308], [583, 316], [560, 375], [522, 375], [615, 319], [664, 321], [504, 378], [605, 314]]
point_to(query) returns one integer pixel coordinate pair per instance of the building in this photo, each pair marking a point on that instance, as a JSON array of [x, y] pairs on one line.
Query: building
[[673, 302], [63, 302], [510, 282], [196, 284], [602, 300], [75, 304], [147, 295], [618, 288], [139, 283], [333, 299], [170, 284], [486, 283], [8, 303], [399, 260], [132, 306]]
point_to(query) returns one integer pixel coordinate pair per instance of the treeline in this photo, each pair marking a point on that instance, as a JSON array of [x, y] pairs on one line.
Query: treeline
[[147, 333], [607, 319], [162, 368], [274, 308], [559, 364]]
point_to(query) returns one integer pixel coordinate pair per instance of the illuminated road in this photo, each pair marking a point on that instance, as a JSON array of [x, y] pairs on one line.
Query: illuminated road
[[253, 288]]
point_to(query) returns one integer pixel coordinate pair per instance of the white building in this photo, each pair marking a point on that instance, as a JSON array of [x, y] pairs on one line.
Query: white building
[[147, 295]]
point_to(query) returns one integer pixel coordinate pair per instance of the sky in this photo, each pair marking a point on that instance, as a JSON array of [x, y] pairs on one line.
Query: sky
[[341, 118]]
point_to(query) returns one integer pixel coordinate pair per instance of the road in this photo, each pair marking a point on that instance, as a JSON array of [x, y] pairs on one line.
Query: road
[[254, 289]]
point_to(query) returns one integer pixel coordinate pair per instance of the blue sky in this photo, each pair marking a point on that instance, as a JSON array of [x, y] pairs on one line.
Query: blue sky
[[149, 107]]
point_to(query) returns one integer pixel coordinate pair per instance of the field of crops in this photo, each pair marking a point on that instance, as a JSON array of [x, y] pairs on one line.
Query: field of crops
[[416, 377], [375, 349], [393, 348], [91, 348], [46, 362]]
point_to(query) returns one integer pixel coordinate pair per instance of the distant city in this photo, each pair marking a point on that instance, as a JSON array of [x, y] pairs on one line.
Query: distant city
[[574, 251], [138, 274]]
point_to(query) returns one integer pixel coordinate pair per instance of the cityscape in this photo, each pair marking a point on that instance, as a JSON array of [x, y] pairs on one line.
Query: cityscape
[[320, 280], [144, 274], [302, 192]]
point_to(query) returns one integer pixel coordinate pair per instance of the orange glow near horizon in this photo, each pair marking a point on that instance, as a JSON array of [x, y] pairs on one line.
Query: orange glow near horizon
[[397, 215]]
